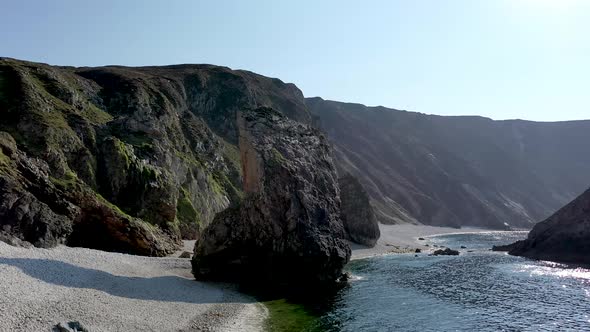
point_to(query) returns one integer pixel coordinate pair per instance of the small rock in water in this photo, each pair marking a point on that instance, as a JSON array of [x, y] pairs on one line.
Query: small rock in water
[[421, 238], [185, 254], [427, 245], [446, 251], [69, 327], [463, 247], [418, 250]]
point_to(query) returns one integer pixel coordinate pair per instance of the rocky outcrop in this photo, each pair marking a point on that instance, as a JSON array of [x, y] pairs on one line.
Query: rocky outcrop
[[445, 252], [44, 211], [357, 213], [288, 228], [457, 170], [563, 237], [125, 159]]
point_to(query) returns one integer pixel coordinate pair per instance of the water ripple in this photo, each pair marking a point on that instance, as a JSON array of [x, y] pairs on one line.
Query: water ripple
[[482, 290]]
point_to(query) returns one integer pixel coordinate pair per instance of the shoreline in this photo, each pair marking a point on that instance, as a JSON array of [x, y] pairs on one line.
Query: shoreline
[[400, 239], [108, 291]]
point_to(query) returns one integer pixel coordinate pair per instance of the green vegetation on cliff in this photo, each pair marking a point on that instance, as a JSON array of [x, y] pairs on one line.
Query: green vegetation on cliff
[[148, 152]]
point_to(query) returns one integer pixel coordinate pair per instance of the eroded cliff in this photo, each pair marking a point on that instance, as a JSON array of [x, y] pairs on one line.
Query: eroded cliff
[[125, 159]]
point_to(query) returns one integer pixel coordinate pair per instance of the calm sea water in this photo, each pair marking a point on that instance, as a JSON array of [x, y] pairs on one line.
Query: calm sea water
[[476, 291]]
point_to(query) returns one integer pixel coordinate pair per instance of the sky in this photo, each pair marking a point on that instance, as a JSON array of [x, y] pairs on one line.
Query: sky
[[504, 59]]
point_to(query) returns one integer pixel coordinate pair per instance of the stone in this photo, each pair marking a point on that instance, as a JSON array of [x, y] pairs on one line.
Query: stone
[[418, 250], [69, 327], [185, 254], [463, 247], [445, 252]]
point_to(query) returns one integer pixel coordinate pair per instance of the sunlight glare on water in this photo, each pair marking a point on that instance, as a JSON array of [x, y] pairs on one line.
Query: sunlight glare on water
[[476, 291]]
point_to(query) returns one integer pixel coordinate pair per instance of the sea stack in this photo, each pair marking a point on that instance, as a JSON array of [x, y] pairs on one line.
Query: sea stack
[[287, 229]]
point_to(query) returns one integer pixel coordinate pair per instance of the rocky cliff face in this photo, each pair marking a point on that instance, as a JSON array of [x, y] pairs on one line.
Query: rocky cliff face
[[288, 227], [563, 237], [126, 159], [358, 217], [454, 171]]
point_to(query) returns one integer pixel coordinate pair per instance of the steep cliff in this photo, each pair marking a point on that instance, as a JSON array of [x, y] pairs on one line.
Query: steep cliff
[[288, 227], [455, 171], [563, 237], [126, 159]]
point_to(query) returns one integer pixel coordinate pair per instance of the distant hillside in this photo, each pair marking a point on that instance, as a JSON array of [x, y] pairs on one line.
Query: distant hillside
[[453, 171]]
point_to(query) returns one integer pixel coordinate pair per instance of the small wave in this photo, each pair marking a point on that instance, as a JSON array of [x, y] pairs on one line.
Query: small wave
[[353, 277]]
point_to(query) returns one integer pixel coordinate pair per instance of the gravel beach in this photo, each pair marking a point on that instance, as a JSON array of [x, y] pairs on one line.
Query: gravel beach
[[115, 292], [404, 239], [107, 291]]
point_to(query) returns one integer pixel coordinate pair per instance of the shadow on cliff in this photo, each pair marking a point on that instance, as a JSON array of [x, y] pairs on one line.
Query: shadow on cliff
[[164, 288]]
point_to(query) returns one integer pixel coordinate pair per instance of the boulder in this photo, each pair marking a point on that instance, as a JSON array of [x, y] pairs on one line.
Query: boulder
[[357, 213], [185, 254], [69, 327], [445, 252], [287, 229]]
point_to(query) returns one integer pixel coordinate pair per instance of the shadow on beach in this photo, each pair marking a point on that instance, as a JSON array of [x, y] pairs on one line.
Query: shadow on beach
[[163, 288]]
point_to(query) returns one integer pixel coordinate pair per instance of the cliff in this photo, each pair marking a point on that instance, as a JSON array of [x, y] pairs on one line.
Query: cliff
[[457, 171], [563, 237], [124, 159]]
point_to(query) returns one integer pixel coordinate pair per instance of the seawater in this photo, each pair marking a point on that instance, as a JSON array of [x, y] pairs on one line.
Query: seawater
[[479, 290]]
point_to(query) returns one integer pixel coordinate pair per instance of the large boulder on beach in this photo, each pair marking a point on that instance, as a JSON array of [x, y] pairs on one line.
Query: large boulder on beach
[[563, 237], [287, 229], [357, 213]]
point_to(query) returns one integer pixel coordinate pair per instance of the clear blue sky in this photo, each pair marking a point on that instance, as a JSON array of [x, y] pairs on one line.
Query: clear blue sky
[[526, 59]]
